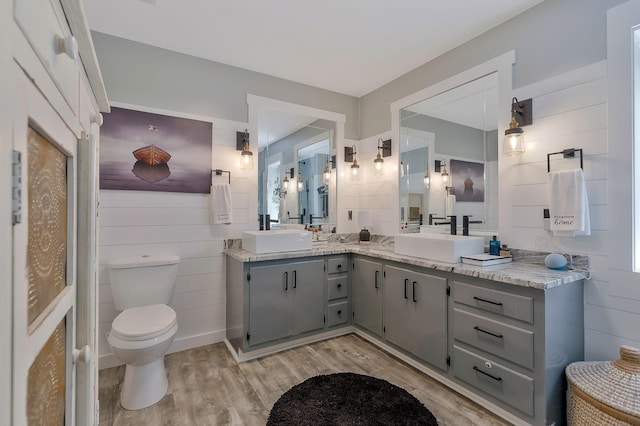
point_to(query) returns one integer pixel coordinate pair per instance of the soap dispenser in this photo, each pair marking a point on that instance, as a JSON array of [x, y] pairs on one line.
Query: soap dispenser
[[494, 247]]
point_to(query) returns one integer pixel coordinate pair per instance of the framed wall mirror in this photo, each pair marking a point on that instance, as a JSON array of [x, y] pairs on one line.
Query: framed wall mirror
[[448, 150], [296, 149]]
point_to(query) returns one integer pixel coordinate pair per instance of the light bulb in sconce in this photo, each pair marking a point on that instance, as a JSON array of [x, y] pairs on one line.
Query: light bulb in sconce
[[427, 179], [326, 174], [300, 182], [350, 157], [444, 174]]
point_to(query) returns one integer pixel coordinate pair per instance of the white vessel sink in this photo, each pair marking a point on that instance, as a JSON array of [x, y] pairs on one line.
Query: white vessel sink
[[274, 241], [438, 247]]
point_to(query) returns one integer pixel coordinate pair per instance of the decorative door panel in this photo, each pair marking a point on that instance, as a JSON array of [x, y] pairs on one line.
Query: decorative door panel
[[47, 224], [44, 263]]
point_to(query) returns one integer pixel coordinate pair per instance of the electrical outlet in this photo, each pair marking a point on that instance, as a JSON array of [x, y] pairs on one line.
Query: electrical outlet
[[546, 219]]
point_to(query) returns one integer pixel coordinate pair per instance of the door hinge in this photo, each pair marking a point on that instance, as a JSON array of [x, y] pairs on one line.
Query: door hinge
[[248, 276], [449, 360], [16, 187], [248, 336], [448, 291]]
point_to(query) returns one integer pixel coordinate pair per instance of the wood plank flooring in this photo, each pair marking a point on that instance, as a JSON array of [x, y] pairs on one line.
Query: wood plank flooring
[[207, 387]]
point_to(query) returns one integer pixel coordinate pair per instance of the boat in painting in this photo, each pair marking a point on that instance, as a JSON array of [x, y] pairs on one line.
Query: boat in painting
[[152, 155]]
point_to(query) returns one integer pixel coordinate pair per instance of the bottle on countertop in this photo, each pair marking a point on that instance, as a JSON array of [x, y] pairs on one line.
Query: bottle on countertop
[[494, 247], [505, 251]]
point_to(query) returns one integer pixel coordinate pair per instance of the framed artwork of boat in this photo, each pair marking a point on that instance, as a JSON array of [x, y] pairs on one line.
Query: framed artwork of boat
[[468, 180], [144, 150]]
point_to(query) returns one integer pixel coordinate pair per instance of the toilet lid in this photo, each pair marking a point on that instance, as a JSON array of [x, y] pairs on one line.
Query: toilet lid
[[143, 322]]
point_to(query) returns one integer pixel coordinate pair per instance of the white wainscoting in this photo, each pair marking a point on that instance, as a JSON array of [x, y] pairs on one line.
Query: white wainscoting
[[570, 111], [136, 222]]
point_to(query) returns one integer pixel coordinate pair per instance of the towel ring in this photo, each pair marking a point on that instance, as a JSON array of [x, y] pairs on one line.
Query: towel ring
[[219, 172], [566, 153]]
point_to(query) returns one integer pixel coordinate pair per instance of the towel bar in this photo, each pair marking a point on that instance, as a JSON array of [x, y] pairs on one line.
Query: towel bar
[[219, 172], [566, 153]]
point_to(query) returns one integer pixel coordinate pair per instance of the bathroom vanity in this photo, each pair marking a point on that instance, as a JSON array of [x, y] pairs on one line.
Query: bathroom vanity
[[501, 335]]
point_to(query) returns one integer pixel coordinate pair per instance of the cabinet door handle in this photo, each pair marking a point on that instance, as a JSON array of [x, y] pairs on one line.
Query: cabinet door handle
[[375, 279], [413, 291], [406, 281], [286, 281], [479, 299], [499, 336], [497, 379], [339, 266], [295, 279]]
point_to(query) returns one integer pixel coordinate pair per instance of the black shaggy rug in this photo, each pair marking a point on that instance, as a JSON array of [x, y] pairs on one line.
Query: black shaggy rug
[[348, 399]]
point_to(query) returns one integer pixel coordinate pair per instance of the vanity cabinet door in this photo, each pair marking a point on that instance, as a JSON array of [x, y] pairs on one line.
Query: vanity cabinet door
[[367, 295], [306, 288], [415, 313], [268, 303]]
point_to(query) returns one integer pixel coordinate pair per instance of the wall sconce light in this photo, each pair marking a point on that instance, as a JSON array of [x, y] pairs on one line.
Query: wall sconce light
[[300, 182], [326, 174], [285, 185], [242, 144], [350, 157], [427, 179], [521, 116], [384, 150], [441, 167]]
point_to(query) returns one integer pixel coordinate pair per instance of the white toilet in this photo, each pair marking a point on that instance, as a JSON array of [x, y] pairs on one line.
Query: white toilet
[[142, 333]]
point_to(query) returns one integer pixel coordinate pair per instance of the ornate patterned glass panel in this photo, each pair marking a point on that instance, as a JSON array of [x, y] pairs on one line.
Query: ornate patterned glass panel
[[47, 239], [46, 384]]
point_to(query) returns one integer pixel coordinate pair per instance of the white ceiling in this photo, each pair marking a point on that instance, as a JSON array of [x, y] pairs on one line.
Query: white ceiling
[[351, 47]]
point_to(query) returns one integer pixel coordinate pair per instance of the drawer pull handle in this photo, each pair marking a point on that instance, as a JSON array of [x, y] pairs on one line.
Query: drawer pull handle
[[339, 285], [67, 45], [497, 379], [375, 279], [339, 312], [286, 281], [487, 301], [499, 336], [406, 281], [413, 291], [295, 279], [339, 266]]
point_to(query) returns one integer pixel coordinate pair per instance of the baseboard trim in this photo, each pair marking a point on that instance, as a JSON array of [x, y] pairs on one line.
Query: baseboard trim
[[189, 342], [242, 356]]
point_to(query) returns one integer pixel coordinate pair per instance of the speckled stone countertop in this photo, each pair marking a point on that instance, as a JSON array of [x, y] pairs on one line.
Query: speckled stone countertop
[[519, 272]]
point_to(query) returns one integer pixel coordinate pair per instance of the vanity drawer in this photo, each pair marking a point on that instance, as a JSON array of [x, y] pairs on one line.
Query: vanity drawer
[[337, 313], [508, 342], [337, 287], [502, 383], [337, 265], [42, 22], [499, 302]]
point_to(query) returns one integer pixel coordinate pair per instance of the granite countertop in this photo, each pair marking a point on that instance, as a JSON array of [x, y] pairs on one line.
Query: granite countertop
[[527, 272]]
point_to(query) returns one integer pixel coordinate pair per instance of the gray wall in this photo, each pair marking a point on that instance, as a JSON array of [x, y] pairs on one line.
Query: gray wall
[[144, 75], [551, 38]]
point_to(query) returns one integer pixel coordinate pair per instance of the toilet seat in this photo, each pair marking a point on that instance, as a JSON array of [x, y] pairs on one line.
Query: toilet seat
[[143, 322]]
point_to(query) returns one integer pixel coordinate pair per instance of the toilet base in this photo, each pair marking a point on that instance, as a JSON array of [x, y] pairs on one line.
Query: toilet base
[[144, 385]]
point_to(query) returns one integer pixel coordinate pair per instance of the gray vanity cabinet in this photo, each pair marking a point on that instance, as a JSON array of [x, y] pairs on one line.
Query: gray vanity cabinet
[[285, 300], [367, 282], [415, 313]]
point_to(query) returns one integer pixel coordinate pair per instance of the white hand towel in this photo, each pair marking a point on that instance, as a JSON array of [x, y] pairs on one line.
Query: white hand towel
[[220, 204], [568, 203]]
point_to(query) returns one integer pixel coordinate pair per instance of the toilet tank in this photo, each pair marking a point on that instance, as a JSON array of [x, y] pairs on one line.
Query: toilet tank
[[142, 280]]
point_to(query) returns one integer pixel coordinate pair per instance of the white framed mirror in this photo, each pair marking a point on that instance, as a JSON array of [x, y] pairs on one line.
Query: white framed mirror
[[453, 126], [296, 141]]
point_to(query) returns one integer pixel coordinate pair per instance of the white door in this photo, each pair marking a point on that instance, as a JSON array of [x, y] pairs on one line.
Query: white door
[[44, 263]]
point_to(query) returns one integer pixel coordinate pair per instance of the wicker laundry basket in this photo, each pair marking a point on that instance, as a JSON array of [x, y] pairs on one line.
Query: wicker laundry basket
[[605, 393]]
